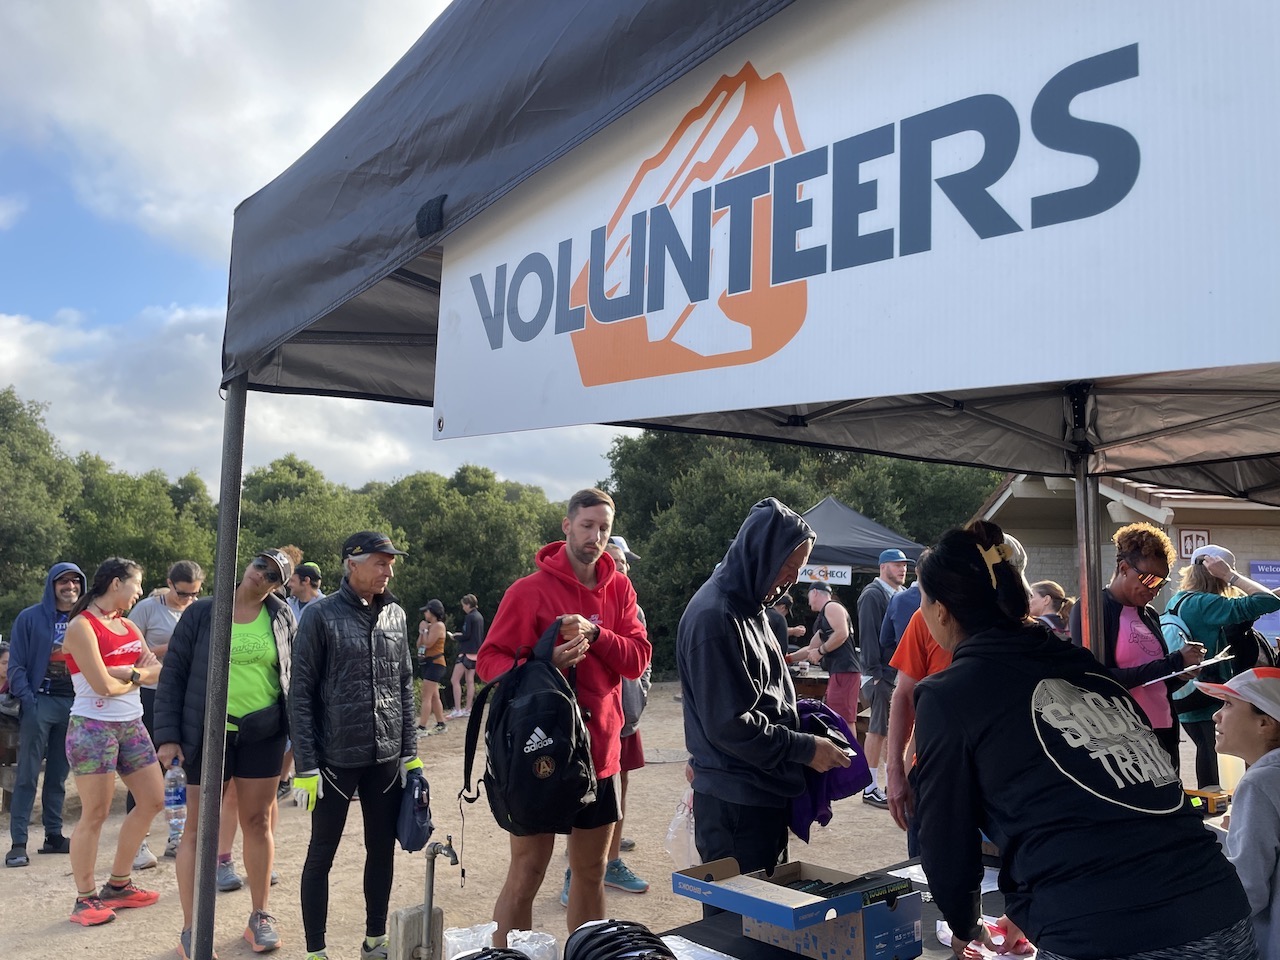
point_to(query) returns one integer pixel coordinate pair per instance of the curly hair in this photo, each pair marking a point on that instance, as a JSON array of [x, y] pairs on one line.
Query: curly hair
[[1142, 540]]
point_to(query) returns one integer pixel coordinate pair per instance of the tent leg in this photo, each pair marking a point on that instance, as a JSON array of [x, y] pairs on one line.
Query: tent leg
[[215, 713], [1088, 543]]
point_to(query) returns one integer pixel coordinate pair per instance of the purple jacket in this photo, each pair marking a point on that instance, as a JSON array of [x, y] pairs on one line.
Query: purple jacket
[[820, 789]]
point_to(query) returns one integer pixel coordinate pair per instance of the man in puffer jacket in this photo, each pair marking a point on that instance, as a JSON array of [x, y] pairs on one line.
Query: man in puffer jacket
[[352, 719]]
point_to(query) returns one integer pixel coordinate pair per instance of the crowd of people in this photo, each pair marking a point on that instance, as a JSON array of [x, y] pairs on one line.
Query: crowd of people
[[995, 725]]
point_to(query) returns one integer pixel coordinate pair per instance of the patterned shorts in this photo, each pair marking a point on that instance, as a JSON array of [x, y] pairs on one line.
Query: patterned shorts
[[108, 746]]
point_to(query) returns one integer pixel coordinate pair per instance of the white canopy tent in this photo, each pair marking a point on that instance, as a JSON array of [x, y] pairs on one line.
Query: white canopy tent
[[1088, 291]]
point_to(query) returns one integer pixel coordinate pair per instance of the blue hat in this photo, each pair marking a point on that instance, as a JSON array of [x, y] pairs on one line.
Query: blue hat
[[894, 556]]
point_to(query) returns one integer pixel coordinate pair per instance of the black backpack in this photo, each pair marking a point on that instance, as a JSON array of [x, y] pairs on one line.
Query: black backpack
[[538, 773]]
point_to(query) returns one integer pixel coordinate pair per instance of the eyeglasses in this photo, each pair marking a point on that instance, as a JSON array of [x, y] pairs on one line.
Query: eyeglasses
[[1152, 581], [267, 567], [190, 596]]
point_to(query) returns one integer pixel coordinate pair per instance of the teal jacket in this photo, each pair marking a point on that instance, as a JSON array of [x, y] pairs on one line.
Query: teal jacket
[[1205, 614]]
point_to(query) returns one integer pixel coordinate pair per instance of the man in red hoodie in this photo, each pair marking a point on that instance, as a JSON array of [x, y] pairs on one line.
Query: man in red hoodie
[[601, 635]]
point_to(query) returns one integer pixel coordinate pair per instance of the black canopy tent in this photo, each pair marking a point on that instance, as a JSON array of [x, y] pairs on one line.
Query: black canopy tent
[[335, 284], [847, 537]]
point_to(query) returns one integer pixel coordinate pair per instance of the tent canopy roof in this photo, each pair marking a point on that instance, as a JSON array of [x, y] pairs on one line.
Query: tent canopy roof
[[847, 537]]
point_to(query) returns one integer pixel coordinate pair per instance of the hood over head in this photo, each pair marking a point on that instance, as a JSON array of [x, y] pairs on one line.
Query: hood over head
[[48, 599], [768, 536]]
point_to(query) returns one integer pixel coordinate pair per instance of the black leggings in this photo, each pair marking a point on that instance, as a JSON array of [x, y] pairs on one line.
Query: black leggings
[[1201, 734], [380, 790]]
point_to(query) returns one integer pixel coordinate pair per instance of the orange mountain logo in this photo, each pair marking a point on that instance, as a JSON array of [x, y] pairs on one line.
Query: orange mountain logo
[[746, 122]]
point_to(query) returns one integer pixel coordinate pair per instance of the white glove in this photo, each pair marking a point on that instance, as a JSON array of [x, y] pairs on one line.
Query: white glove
[[307, 788]]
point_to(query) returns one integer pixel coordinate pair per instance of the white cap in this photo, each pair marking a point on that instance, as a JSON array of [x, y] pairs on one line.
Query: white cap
[[1213, 550], [1259, 686]]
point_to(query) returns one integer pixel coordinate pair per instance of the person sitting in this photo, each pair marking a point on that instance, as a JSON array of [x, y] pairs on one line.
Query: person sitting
[[1248, 727], [1024, 739]]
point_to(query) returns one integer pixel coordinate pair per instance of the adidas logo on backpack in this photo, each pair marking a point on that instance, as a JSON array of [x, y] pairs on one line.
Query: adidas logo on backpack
[[538, 771], [537, 740]]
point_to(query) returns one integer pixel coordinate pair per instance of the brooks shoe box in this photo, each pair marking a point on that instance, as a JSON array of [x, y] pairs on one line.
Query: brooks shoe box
[[869, 917]]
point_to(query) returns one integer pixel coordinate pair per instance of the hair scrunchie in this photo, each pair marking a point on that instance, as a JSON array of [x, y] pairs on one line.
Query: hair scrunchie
[[993, 555]]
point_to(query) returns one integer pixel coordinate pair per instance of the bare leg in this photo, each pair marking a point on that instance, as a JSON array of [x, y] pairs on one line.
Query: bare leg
[[587, 850], [471, 689], [147, 787], [875, 744], [229, 820], [437, 708], [257, 799], [615, 842], [458, 671], [185, 861], [525, 872], [96, 791]]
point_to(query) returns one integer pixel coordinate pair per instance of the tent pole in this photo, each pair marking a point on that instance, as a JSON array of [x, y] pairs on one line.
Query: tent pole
[[1088, 519], [215, 713]]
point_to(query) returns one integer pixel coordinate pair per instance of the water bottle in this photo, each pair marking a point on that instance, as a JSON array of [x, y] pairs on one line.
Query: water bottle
[[175, 800]]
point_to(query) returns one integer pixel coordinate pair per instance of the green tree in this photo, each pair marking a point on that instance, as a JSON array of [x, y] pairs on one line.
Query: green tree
[[290, 502], [37, 481], [710, 501]]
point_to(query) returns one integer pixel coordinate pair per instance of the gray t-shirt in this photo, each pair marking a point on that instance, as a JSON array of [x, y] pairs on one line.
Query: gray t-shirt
[[157, 621]]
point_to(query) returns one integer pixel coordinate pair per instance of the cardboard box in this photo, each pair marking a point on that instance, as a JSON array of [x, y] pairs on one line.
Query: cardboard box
[[876, 932], [873, 921]]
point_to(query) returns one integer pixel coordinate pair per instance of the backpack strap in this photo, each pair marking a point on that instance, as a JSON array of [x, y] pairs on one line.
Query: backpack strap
[[474, 722]]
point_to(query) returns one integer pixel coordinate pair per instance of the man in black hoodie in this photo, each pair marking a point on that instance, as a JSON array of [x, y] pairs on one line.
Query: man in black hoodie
[[741, 725]]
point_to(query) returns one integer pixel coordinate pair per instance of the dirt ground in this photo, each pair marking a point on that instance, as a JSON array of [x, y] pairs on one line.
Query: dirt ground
[[36, 901]]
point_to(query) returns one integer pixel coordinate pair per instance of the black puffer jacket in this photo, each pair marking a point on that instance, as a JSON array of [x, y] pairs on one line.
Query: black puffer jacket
[[351, 702], [184, 681]]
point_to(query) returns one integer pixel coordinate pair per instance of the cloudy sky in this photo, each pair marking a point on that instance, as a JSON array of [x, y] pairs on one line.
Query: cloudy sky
[[129, 131]]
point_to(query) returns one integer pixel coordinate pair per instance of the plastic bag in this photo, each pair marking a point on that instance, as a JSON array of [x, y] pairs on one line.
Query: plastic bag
[[680, 834], [460, 940], [534, 944]]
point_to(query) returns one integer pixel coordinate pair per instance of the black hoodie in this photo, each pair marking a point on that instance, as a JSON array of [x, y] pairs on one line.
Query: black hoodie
[[741, 725], [1029, 739]]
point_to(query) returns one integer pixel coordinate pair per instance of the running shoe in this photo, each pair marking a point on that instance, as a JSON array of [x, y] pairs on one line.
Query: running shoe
[[275, 877], [261, 932], [564, 893], [184, 945], [285, 789], [627, 845], [228, 879], [90, 911], [145, 860], [377, 951], [171, 847], [439, 728], [119, 898], [619, 876], [55, 843], [875, 797]]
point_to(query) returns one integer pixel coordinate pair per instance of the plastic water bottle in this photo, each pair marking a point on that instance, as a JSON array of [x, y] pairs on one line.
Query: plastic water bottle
[[175, 799]]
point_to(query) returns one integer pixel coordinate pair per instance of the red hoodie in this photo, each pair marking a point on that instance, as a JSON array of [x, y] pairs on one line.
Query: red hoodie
[[532, 604]]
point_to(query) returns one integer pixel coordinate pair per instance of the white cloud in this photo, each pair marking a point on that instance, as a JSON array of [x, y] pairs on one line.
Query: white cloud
[[144, 395], [11, 208], [171, 113]]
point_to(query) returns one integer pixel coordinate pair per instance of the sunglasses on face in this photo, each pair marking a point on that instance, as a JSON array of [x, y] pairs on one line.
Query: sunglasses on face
[[1152, 581], [268, 568], [187, 596]]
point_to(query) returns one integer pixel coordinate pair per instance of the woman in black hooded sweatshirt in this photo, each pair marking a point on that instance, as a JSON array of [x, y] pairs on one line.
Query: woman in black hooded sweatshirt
[[1031, 741]]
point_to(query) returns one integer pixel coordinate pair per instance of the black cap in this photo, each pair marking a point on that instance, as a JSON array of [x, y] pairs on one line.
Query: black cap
[[435, 606], [820, 585], [369, 541], [282, 562]]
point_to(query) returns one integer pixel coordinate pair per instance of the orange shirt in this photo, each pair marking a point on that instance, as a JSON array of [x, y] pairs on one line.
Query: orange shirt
[[918, 654]]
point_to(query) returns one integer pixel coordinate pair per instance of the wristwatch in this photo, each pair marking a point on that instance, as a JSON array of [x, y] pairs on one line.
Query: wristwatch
[[135, 677]]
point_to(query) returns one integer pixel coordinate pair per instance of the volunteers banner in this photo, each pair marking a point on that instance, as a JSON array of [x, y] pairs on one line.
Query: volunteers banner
[[877, 198]]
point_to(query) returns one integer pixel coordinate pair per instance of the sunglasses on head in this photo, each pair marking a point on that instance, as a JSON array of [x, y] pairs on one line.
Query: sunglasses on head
[[267, 567]]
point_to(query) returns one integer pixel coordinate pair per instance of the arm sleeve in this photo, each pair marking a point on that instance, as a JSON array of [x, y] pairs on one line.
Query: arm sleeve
[[625, 648], [1073, 625], [869, 637], [728, 707], [1253, 841], [409, 715], [171, 691], [1130, 677], [304, 686], [511, 635], [949, 811], [20, 682], [1217, 611]]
